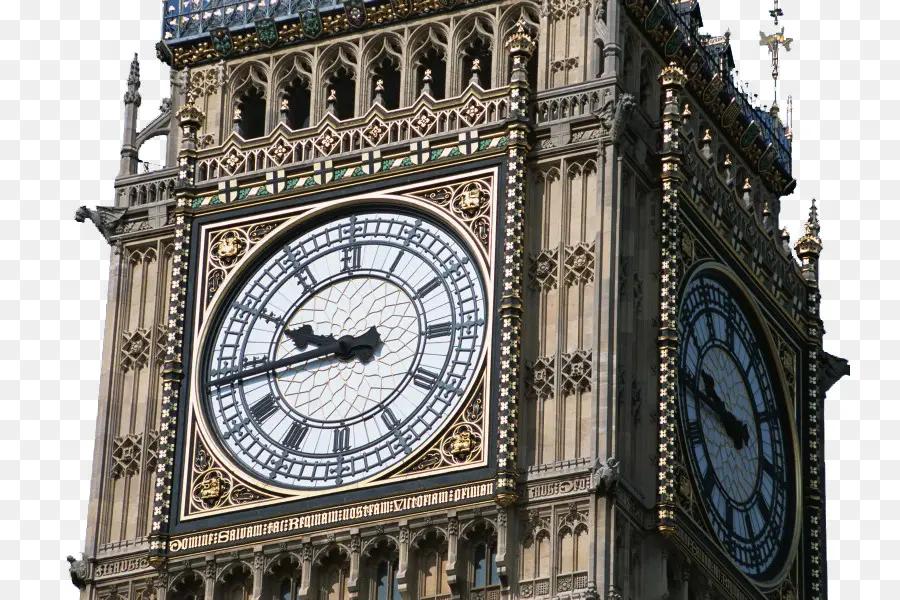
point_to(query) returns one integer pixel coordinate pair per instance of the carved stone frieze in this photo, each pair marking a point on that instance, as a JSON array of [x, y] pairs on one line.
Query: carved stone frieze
[[544, 269], [126, 456], [135, 350], [560, 9], [214, 487], [542, 378], [461, 444], [470, 203], [228, 247], [579, 264], [576, 371]]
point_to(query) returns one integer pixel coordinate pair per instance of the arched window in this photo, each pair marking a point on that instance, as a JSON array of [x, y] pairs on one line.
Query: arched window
[[250, 114], [431, 567], [298, 100], [386, 83], [386, 584], [283, 579], [333, 574], [342, 93], [484, 566], [429, 62], [476, 49]]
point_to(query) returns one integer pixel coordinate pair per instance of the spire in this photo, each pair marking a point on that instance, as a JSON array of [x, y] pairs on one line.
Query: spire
[[809, 246], [129, 154], [132, 96], [774, 42]]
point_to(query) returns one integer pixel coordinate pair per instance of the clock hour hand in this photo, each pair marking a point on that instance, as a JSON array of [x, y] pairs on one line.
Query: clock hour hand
[[362, 347], [304, 335], [735, 428]]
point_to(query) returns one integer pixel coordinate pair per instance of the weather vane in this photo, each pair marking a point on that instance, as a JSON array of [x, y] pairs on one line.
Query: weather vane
[[774, 42]]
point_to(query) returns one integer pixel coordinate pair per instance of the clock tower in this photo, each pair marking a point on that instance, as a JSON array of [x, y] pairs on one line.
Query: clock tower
[[456, 300]]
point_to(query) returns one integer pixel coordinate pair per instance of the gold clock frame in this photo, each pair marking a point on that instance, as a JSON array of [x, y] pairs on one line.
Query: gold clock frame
[[418, 197]]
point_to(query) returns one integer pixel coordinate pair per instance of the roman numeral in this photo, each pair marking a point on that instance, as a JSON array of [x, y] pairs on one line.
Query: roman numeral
[[709, 481], [351, 257], [389, 419], [342, 439], [425, 379], [438, 330], [295, 435], [427, 288], [396, 262], [694, 433], [264, 408]]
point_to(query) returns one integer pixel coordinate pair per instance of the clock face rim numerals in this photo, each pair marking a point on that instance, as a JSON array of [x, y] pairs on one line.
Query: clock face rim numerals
[[736, 415], [427, 358]]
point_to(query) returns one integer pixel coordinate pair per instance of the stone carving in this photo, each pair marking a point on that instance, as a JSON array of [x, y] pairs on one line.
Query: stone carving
[[78, 571], [126, 456], [213, 487], [613, 116], [462, 443], [579, 263], [226, 248], [559, 9], [104, 218], [605, 475], [544, 267], [576, 371], [469, 202], [135, 349], [543, 377]]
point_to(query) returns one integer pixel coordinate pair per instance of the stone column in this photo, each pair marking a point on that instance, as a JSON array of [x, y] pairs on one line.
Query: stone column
[[403, 562], [209, 579], [259, 566], [355, 547]]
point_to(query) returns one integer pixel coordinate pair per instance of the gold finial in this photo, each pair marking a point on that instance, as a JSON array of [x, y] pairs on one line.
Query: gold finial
[[686, 113], [727, 162], [747, 186], [707, 136], [379, 85], [427, 76]]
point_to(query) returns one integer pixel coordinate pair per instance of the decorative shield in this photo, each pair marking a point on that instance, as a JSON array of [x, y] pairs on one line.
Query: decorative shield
[[311, 21], [221, 41], [356, 13], [675, 42], [266, 32], [750, 134], [655, 16], [767, 158], [731, 113]]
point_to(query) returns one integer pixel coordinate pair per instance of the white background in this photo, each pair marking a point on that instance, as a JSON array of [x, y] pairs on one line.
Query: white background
[[63, 67]]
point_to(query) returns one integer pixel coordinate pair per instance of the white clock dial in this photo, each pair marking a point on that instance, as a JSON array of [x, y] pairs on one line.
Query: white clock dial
[[346, 349]]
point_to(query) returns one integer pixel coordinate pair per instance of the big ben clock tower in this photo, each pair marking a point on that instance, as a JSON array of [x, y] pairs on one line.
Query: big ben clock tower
[[451, 299]]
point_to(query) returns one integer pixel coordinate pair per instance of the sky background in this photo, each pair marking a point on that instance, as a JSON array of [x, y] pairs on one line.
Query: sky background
[[63, 67]]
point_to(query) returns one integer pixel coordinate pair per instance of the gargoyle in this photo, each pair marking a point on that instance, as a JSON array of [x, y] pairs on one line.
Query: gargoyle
[[105, 219], [605, 475], [614, 114], [78, 571]]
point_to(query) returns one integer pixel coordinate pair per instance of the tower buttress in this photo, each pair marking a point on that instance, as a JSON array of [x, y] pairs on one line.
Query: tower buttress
[[128, 165]]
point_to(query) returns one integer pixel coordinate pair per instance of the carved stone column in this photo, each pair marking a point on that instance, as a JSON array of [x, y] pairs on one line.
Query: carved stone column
[[209, 579], [452, 551], [259, 565], [161, 583], [403, 563], [355, 546], [305, 571]]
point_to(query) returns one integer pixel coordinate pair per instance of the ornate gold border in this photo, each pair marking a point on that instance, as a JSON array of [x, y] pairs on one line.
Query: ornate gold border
[[416, 196]]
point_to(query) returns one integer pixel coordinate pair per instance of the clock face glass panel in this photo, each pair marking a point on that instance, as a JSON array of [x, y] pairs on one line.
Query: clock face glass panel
[[734, 428], [345, 350]]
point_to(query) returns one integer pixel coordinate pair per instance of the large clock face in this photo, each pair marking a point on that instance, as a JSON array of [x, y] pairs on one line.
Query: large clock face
[[345, 350], [736, 434]]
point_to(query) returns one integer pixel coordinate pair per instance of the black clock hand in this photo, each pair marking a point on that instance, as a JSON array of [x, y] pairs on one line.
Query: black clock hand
[[362, 347], [735, 428], [304, 335]]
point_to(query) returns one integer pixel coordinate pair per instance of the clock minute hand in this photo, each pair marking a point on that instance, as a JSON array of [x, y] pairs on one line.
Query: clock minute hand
[[734, 427], [334, 347]]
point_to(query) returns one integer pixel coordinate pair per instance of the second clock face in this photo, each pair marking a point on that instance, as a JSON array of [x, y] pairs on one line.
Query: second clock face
[[735, 432], [346, 350]]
